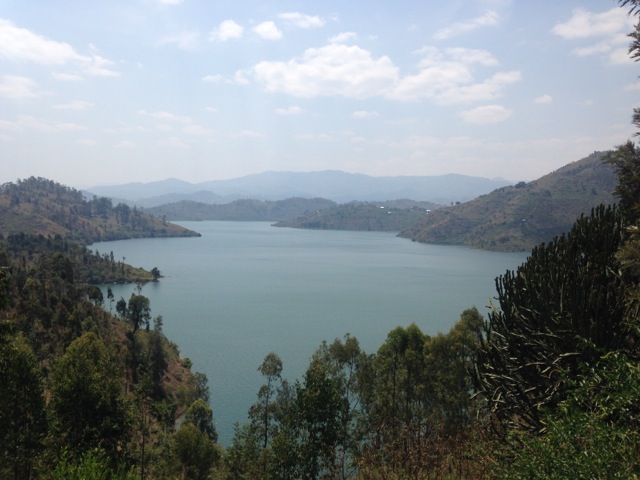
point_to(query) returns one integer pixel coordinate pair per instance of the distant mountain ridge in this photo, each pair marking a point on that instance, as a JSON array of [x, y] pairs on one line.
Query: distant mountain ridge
[[516, 218], [241, 210], [340, 187]]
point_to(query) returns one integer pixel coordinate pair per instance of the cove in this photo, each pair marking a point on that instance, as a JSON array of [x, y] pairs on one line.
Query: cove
[[244, 289]]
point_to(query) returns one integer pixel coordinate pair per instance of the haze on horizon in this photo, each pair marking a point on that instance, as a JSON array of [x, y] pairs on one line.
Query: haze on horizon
[[99, 93]]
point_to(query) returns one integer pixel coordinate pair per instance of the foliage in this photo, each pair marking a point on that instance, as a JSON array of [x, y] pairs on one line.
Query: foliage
[[517, 218], [92, 465], [22, 409], [560, 309], [593, 433], [196, 453], [362, 216], [40, 206], [86, 398]]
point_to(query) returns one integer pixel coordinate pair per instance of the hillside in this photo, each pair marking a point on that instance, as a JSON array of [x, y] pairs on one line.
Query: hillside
[[338, 186], [516, 218], [376, 216], [37, 206], [242, 210]]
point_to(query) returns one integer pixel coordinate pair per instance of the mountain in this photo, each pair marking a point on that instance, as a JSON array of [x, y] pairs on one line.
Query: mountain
[[37, 206], [379, 216], [338, 186], [247, 210], [516, 218]]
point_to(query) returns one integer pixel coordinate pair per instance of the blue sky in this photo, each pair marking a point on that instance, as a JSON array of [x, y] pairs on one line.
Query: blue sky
[[114, 91]]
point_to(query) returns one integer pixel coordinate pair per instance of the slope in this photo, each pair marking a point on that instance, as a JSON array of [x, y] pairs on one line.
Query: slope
[[516, 218]]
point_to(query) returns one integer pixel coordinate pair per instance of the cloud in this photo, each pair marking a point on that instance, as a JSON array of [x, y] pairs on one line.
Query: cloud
[[16, 87], [443, 75], [268, 30], [67, 77], [73, 105], [489, 19], [213, 78], [301, 20], [125, 144], [362, 114], [21, 45], [609, 27], [293, 110], [167, 116], [170, 2], [330, 70], [31, 123], [446, 76], [585, 24], [343, 37], [227, 30], [486, 114], [544, 99], [184, 40]]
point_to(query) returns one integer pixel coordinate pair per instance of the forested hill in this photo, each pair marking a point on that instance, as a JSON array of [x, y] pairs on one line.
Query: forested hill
[[43, 207], [517, 218], [241, 210], [376, 216]]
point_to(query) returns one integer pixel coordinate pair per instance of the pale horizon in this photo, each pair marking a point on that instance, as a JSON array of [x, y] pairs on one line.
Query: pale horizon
[[147, 90]]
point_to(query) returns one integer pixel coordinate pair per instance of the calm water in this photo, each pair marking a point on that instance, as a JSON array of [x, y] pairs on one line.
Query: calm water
[[245, 289]]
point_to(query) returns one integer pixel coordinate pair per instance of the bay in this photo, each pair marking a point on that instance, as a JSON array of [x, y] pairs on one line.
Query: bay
[[244, 289]]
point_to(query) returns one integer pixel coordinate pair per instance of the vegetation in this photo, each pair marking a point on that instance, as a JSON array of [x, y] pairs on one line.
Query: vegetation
[[241, 210], [378, 216], [38, 206], [522, 216], [548, 386]]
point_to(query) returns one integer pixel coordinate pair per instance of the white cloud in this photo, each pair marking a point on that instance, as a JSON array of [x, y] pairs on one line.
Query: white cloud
[[213, 78], [67, 77], [330, 70], [227, 30], [167, 116], [268, 30], [125, 144], [170, 2], [19, 44], [293, 110], [301, 20], [187, 40], [362, 114], [585, 24], [196, 130], [486, 114], [249, 134], [610, 27], [174, 142], [489, 19], [343, 37], [16, 87], [543, 99], [73, 105], [487, 90]]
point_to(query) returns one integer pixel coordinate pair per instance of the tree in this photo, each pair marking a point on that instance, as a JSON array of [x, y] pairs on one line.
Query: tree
[[196, 453], [138, 311], [22, 412], [564, 306], [201, 415], [263, 411], [88, 408]]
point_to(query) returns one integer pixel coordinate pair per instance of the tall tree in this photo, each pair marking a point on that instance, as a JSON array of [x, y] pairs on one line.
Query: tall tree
[[86, 398], [22, 413]]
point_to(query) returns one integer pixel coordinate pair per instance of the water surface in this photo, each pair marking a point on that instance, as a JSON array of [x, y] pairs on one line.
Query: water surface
[[245, 289]]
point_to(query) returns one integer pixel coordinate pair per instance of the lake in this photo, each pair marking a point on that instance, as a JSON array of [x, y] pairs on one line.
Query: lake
[[245, 289]]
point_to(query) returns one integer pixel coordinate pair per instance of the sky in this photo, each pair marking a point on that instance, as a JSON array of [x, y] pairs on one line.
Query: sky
[[115, 91]]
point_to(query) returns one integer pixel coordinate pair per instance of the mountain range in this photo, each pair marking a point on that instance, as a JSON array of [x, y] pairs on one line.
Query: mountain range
[[340, 187], [521, 216]]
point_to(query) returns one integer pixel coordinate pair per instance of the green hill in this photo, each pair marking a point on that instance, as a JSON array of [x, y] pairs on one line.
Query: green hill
[[37, 206], [516, 218], [378, 216], [241, 210]]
